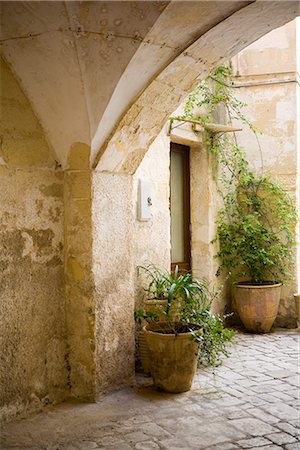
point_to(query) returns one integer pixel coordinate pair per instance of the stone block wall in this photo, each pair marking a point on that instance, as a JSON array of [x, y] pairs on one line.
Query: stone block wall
[[33, 368]]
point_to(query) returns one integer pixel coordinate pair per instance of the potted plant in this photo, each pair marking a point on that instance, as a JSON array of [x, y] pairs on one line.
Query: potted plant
[[166, 290], [176, 344], [164, 294], [255, 232]]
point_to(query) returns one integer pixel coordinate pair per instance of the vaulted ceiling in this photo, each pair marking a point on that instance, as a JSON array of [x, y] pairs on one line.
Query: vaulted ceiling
[[82, 64]]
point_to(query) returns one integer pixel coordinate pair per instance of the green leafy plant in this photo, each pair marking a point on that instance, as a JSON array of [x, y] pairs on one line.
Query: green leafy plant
[[255, 230], [173, 285], [193, 299], [256, 225], [212, 339]]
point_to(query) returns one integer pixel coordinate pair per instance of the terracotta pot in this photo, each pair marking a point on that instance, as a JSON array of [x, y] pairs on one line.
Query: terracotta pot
[[144, 352], [257, 305], [173, 357]]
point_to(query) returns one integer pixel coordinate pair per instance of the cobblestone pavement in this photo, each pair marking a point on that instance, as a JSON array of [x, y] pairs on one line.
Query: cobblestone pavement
[[250, 402]]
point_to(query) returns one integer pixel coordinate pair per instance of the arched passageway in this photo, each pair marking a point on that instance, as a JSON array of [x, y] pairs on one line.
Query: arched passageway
[[87, 88]]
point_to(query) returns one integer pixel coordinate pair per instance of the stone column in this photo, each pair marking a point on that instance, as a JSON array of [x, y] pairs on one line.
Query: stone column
[[80, 309]]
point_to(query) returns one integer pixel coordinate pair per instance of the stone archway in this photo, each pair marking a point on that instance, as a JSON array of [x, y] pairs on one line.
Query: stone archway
[[122, 156], [58, 51]]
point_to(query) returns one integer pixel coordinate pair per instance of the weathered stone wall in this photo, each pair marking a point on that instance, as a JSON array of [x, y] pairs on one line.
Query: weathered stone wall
[[152, 238], [32, 319], [113, 242]]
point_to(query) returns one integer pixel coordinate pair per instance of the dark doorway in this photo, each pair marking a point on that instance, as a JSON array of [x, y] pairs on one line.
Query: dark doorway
[[180, 206]]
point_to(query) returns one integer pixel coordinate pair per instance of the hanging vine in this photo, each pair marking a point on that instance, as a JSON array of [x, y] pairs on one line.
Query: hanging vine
[[256, 225]]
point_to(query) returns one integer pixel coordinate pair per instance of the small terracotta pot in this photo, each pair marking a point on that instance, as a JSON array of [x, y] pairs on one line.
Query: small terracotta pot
[[173, 358], [257, 305]]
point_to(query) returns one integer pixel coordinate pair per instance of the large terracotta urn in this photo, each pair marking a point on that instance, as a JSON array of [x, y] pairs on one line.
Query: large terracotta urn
[[173, 356], [257, 305]]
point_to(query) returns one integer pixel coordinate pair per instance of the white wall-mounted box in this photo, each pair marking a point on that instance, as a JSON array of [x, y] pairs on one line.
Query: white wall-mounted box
[[144, 201]]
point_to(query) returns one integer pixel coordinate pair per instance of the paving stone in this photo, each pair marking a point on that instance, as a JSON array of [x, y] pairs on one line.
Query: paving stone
[[237, 414], [295, 393], [264, 388], [207, 434], [282, 411], [281, 373], [225, 446], [121, 446], [295, 446], [288, 428], [153, 430], [89, 445], [174, 444], [294, 380], [136, 436], [270, 398], [234, 392], [254, 427], [294, 403], [137, 419], [256, 400], [76, 446], [226, 401], [262, 415], [110, 440], [260, 377], [295, 423], [147, 445], [267, 447], [253, 442], [282, 396], [281, 438]]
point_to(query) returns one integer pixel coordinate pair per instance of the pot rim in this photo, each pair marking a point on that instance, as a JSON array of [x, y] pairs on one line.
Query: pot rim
[[155, 300], [168, 335], [248, 285]]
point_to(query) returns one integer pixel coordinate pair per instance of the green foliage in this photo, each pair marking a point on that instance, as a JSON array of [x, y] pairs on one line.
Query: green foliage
[[212, 93], [141, 314], [170, 285], [255, 230], [256, 224], [194, 308], [212, 339]]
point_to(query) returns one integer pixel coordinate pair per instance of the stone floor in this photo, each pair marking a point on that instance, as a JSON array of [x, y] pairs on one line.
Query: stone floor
[[250, 402]]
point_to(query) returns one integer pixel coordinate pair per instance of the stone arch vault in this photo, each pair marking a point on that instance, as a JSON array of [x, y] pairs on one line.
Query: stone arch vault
[[84, 65]]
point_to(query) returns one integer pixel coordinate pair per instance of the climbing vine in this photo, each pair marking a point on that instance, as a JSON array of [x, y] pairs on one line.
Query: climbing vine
[[256, 225]]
